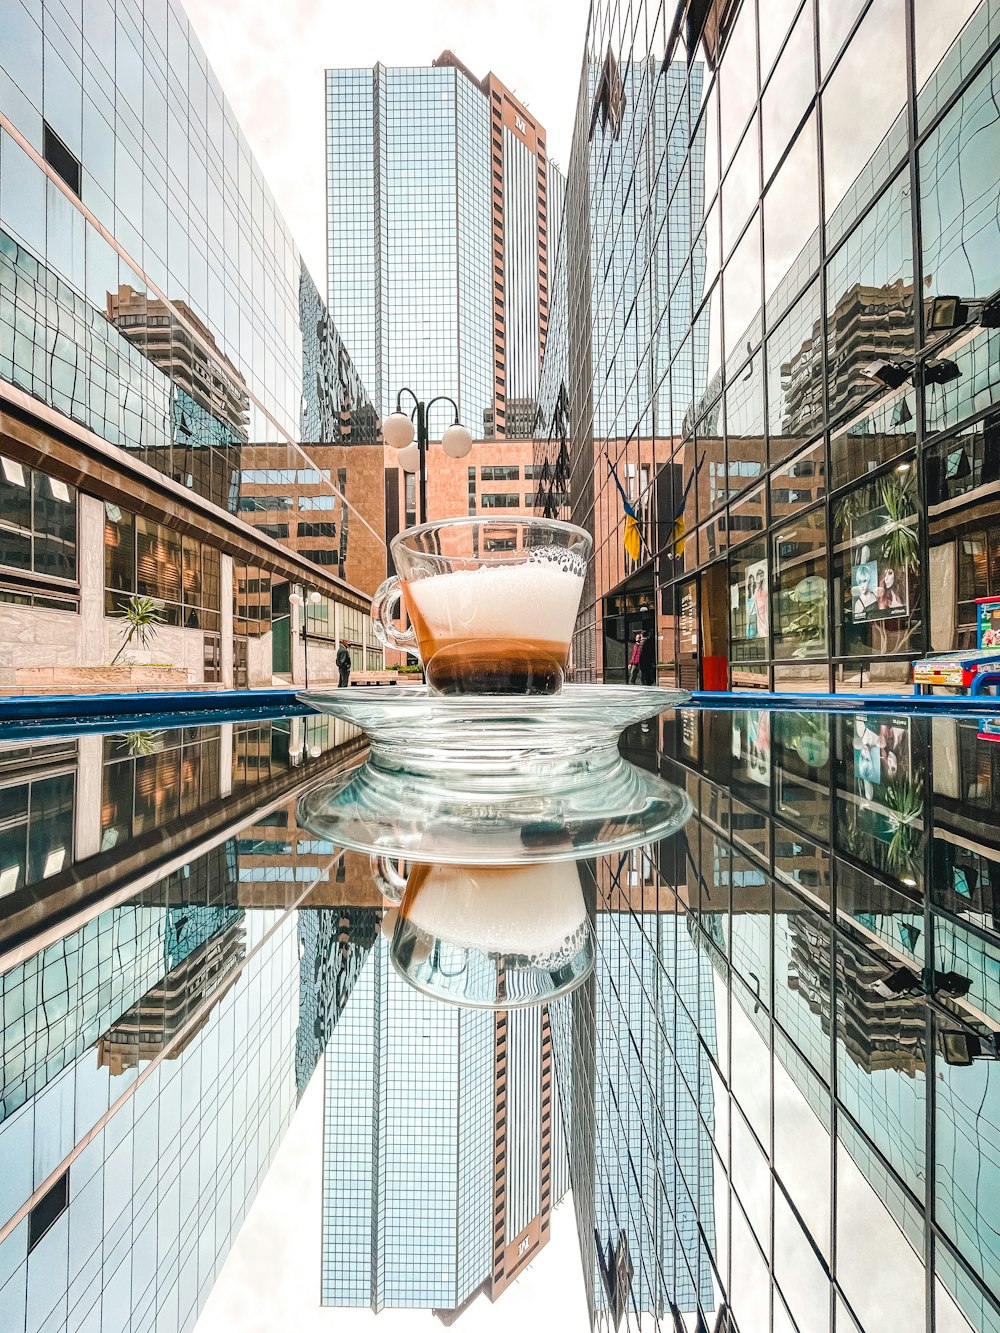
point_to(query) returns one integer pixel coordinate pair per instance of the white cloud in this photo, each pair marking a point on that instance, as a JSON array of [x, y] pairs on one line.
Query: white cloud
[[270, 61]]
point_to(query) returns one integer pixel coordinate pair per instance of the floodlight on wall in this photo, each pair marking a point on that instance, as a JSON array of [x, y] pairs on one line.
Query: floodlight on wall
[[961, 1048], [955, 984], [892, 374], [397, 431], [945, 312], [902, 981], [941, 372]]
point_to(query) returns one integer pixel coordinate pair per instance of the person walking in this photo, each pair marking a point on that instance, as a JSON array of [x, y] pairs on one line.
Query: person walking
[[633, 661], [343, 666]]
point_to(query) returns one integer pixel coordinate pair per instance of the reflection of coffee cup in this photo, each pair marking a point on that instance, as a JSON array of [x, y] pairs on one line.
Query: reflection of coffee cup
[[493, 936], [492, 602]]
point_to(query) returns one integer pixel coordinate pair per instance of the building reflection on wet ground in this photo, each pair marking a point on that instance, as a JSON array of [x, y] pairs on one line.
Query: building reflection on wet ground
[[772, 1085]]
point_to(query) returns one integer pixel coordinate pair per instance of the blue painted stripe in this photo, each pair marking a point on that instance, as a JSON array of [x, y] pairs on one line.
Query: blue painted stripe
[[22, 707], [26, 717], [946, 704]]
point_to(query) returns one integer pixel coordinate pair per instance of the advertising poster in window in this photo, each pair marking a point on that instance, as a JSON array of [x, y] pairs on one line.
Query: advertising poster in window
[[882, 774], [754, 597], [879, 590], [751, 745]]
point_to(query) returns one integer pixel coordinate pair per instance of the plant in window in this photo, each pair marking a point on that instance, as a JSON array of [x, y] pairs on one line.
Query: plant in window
[[141, 744], [142, 618], [905, 802], [899, 546]]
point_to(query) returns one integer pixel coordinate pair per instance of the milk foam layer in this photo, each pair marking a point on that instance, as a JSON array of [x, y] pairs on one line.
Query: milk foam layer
[[536, 601], [499, 909]]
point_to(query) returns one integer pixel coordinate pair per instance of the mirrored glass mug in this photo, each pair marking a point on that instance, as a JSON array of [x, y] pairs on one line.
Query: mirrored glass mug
[[492, 602]]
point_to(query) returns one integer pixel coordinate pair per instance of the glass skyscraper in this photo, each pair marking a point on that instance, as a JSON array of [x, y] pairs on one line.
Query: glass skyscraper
[[158, 328], [443, 1153], [442, 221], [780, 1085], [756, 195], [164, 1003]]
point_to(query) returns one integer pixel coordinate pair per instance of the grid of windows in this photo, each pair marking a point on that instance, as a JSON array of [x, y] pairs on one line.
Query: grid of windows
[[37, 524], [431, 286], [163, 303], [151, 560], [751, 1104], [735, 297]]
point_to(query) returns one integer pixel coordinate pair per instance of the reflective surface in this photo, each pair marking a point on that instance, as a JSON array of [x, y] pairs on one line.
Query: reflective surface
[[151, 293], [770, 1084], [759, 232]]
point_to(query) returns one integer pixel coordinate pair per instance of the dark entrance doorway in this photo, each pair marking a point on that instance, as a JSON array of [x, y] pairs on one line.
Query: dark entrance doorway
[[281, 625], [627, 610]]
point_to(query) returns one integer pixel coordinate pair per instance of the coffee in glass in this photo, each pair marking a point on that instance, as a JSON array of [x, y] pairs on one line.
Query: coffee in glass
[[492, 602]]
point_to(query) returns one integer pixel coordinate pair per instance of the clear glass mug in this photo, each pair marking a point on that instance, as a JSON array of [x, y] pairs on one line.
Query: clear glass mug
[[493, 937], [492, 602]]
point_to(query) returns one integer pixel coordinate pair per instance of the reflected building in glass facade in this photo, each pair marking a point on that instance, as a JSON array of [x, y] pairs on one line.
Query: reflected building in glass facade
[[781, 1086], [443, 1153], [167, 368], [442, 217], [755, 196], [163, 1007]]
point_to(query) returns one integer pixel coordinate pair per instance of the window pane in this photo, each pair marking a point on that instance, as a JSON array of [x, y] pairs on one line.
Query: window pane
[[800, 588], [961, 233], [791, 222], [794, 378], [866, 96], [869, 295], [877, 569], [789, 92]]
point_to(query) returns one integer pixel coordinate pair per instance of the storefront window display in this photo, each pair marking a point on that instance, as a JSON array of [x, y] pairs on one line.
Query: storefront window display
[[800, 587], [880, 806], [877, 567], [749, 603]]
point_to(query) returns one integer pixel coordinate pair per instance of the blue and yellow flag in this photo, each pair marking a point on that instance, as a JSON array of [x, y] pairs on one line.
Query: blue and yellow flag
[[632, 537], [677, 537]]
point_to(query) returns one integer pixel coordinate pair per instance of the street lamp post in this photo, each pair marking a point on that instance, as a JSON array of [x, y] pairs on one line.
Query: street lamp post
[[302, 597], [398, 430]]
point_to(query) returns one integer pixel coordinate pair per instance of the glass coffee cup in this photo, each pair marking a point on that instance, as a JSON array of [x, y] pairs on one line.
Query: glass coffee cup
[[493, 937], [492, 602]]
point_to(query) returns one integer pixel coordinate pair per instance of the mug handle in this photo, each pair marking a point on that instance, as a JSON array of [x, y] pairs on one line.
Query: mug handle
[[387, 597], [390, 883]]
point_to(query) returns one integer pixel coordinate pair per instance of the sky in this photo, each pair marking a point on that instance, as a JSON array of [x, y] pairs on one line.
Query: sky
[[270, 60], [270, 1281]]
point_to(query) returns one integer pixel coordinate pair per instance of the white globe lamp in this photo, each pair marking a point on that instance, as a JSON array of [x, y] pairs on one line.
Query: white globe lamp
[[408, 458], [456, 441], [397, 430]]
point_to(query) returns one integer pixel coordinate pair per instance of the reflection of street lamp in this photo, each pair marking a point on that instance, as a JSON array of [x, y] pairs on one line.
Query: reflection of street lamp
[[297, 599], [397, 431]]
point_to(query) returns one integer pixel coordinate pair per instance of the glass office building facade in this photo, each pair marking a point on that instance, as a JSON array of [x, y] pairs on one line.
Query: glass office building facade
[[443, 1153], [769, 1127], [755, 195], [164, 1003], [162, 346], [442, 212]]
